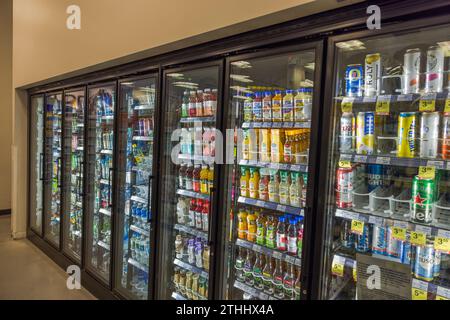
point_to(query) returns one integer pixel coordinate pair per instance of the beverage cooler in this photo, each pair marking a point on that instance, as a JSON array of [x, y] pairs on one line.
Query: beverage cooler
[[387, 197]]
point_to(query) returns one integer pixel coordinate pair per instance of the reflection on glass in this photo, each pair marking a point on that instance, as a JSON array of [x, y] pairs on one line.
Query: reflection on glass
[[136, 117], [270, 111], [388, 194]]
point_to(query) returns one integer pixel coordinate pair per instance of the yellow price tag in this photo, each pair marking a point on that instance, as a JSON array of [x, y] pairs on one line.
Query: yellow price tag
[[447, 106], [427, 105], [345, 164], [441, 298], [355, 274], [442, 244], [418, 238], [383, 105], [418, 294], [337, 268], [427, 172], [347, 105], [357, 227], [399, 233]]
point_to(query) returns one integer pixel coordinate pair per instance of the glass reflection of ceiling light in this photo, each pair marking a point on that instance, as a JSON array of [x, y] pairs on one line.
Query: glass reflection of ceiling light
[[240, 78], [241, 89], [307, 83], [127, 83], [445, 45], [310, 66], [241, 64], [189, 85], [176, 75], [239, 97], [351, 45]]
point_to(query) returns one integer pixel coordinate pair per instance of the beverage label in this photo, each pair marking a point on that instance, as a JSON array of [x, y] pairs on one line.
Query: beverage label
[[288, 110], [292, 245], [284, 195], [278, 287], [281, 241], [270, 238], [244, 188], [191, 218], [257, 111], [288, 287], [248, 110], [260, 235], [298, 109], [267, 282], [267, 111]]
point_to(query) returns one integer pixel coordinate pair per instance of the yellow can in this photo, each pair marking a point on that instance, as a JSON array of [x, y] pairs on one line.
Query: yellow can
[[406, 135]]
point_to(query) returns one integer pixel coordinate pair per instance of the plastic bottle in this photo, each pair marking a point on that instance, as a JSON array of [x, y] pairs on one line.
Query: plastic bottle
[[261, 230], [267, 274], [288, 156], [297, 285], [205, 216], [248, 268], [267, 107], [245, 144], [284, 188], [292, 237], [242, 224], [281, 234], [257, 272], [271, 237], [182, 210], [207, 103], [239, 265], [300, 227], [257, 107], [181, 176], [288, 106], [244, 182], [295, 190], [248, 108], [210, 179], [278, 280], [213, 102], [188, 177], [304, 189], [192, 104], [185, 105], [252, 227], [277, 103], [198, 215], [254, 183], [299, 103], [178, 247], [263, 188], [288, 282], [274, 187], [204, 179], [199, 103], [196, 178], [192, 207]]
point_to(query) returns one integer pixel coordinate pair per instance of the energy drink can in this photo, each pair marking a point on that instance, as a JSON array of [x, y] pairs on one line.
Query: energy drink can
[[429, 135], [364, 241], [412, 71], [379, 240], [344, 188], [372, 75], [347, 132], [435, 69], [446, 136], [394, 247], [347, 237], [423, 191], [406, 135], [374, 176], [354, 80], [424, 264], [365, 130]]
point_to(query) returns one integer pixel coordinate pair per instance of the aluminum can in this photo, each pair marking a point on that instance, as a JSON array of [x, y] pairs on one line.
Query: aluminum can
[[354, 80], [394, 247], [344, 188], [411, 69], [374, 176], [406, 135], [437, 263], [424, 264], [364, 241], [446, 136], [379, 240], [423, 191], [347, 132], [372, 79], [407, 251], [429, 134], [347, 237], [435, 69], [365, 133]]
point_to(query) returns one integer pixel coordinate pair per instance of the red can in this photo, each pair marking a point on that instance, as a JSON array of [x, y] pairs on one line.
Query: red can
[[344, 187], [446, 136]]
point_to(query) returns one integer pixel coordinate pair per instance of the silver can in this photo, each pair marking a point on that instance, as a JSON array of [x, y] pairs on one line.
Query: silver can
[[412, 71], [347, 132], [435, 69], [372, 80], [429, 134]]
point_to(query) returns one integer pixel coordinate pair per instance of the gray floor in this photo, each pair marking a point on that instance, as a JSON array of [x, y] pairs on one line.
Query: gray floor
[[26, 273]]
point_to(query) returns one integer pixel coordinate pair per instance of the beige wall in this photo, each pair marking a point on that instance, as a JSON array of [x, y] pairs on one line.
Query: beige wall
[[5, 102]]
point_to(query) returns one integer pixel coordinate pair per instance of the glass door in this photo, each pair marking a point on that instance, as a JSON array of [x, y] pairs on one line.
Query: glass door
[[36, 163], [74, 120], [100, 158], [135, 179], [267, 184], [53, 166], [387, 198], [188, 179]]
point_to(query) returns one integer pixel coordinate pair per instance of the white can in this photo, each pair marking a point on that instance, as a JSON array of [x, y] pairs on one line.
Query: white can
[[429, 134], [435, 69]]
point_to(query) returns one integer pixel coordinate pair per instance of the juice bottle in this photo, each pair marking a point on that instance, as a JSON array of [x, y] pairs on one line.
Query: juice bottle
[[278, 280], [288, 282], [288, 148], [210, 179], [307, 110], [248, 108], [267, 107], [288, 106], [274, 184], [199, 103], [185, 105], [281, 234], [207, 142], [299, 103], [188, 178], [248, 268], [244, 182], [264, 146], [267, 274], [198, 215], [297, 150], [207, 107], [252, 229], [277, 103], [304, 189], [254, 144], [257, 272], [182, 176], [292, 237], [271, 240], [261, 230], [242, 224], [246, 144], [263, 188], [284, 188], [239, 265], [192, 206], [277, 148], [213, 101], [205, 216], [204, 179], [192, 104], [254, 183], [196, 178], [257, 107], [295, 190]]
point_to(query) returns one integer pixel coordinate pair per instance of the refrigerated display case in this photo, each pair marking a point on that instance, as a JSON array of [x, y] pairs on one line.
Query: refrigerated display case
[[387, 193], [100, 170], [53, 167], [191, 115], [266, 187], [135, 182], [73, 161], [36, 163]]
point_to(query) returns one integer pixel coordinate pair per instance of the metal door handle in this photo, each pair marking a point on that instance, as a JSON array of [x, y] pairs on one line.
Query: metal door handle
[[150, 180], [109, 187], [211, 201], [41, 167], [58, 172]]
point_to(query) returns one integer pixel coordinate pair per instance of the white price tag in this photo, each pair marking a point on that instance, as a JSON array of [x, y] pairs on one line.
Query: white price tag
[[423, 229], [362, 159], [370, 99], [376, 221], [436, 164], [281, 208], [444, 233], [401, 224], [405, 97], [383, 160], [443, 292], [418, 284]]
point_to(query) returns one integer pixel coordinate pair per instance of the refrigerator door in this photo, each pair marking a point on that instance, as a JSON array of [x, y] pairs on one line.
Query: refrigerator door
[[53, 168], [186, 242], [73, 189], [135, 182], [36, 163], [100, 157], [386, 202], [268, 185]]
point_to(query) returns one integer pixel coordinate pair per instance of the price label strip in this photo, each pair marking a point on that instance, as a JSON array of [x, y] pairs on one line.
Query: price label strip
[[427, 172], [383, 105], [357, 227], [337, 267], [347, 105], [355, 272], [428, 103]]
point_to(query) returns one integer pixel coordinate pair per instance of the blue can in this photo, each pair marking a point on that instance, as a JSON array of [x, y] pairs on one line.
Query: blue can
[[394, 247], [374, 176], [379, 240], [354, 76], [407, 251], [364, 241], [424, 264]]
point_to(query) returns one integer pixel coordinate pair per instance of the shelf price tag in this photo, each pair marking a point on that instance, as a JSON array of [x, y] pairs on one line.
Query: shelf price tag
[[383, 104], [399, 233], [357, 227], [347, 104], [345, 164], [428, 103], [418, 238], [427, 172], [442, 244], [337, 267], [355, 272], [441, 298], [419, 294]]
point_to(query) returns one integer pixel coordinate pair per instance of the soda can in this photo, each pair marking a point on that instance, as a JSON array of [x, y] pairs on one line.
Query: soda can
[[379, 240], [406, 135], [435, 69], [411, 71], [394, 247], [406, 254], [374, 176], [347, 237], [344, 188], [365, 130], [446, 136], [354, 80], [437, 263], [347, 132], [429, 134], [423, 191], [424, 264], [372, 79], [364, 241]]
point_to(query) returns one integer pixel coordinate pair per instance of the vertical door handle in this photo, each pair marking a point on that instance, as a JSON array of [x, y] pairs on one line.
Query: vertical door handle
[[41, 166], [80, 180], [211, 201], [58, 172], [150, 180], [109, 186]]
